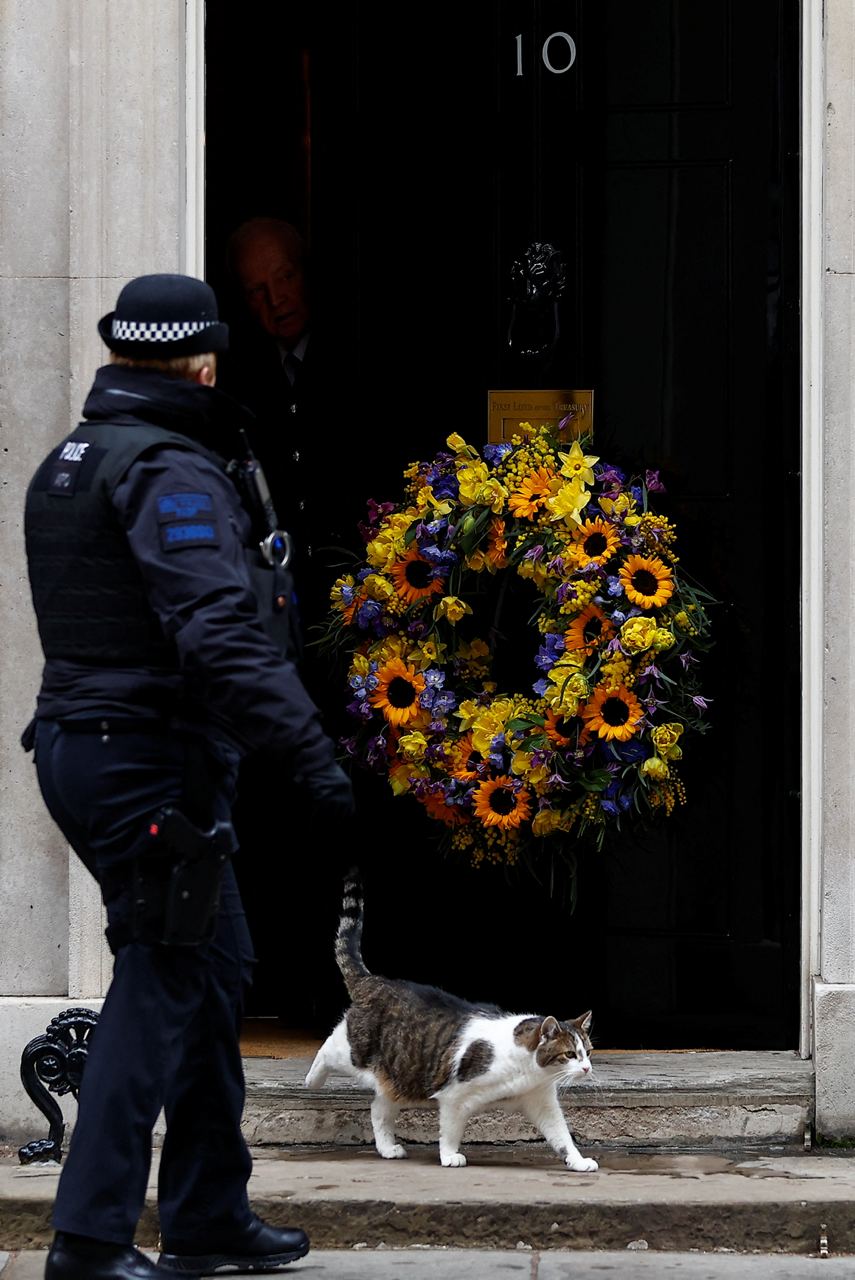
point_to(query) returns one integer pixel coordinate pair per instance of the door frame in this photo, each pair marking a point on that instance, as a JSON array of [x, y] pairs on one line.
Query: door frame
[[812, 113], [812, 157]]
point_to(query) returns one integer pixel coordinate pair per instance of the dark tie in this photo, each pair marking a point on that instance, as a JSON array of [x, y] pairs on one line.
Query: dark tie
[[293, 365]]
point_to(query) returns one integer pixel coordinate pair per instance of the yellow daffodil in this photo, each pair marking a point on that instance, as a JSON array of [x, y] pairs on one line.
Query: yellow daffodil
[[466, 712], [412, 747], [656, 768], [568, 503], [471, 477], [452, 609], [545, 821], [489, 722], [576, 465], [399, 778], [457, 444], [432, 651]]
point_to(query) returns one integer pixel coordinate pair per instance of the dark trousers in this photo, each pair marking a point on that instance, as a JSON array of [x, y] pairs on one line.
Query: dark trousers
[[168, 1033]]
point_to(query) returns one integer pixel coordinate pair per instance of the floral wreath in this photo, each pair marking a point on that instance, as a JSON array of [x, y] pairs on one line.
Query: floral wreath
[[595, 740]]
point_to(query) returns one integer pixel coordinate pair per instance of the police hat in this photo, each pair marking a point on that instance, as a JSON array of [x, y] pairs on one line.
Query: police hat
[[161, 316]]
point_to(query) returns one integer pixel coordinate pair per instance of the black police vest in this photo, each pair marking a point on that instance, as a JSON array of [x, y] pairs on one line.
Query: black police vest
[[88, 592]]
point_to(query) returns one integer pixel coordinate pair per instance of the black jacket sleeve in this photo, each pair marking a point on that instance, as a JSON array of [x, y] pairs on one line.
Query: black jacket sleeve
[[199, 586]]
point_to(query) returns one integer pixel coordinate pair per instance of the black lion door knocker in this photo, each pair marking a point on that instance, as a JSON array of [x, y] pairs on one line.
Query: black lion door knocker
[[538, 281], [55, 1061]]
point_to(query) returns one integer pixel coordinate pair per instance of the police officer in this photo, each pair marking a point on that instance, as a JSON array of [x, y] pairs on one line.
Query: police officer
[[158, 616]]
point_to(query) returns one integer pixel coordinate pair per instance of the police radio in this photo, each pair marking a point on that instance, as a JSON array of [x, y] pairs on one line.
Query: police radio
[[275, 544]]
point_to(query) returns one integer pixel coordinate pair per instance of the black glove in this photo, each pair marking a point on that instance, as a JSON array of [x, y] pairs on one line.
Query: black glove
[[331, 793]]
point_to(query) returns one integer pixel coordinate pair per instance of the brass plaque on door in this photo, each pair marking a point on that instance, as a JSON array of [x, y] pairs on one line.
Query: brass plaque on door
[[507, 409]]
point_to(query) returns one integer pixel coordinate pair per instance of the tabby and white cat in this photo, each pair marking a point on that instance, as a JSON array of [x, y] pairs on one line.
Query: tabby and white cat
[[409, 1043]]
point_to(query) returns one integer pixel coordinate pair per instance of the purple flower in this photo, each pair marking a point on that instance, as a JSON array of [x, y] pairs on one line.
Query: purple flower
[[376, 512], [534, 553], [368, 615], [610, 477], [547, 654], [701, 703], [496, 453], [654, 484], [650, 672], [375, 751], [445, 703]]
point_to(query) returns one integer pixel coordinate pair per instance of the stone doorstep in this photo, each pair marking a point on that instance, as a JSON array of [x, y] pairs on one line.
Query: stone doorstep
[[343, 1197], [683, 1101]]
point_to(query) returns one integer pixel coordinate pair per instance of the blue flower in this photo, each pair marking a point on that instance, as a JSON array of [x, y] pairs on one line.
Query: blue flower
[[496, 453], [547, 654]]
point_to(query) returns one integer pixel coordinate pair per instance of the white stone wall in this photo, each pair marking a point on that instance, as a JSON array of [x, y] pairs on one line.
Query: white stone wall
[[34, 413], [92, 152], [834, 998]]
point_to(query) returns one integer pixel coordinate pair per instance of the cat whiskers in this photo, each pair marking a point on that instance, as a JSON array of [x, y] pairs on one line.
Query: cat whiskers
[[570, 1079]]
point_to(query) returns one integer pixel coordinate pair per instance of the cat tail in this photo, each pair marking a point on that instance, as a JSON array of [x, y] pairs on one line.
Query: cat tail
[[349, 937]]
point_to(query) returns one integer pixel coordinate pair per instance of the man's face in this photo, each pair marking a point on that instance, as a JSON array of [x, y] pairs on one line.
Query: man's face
[[274, 287]]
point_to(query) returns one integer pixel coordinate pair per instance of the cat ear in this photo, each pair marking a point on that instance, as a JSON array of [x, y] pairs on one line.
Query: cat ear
[[583, 1023], [549, 1029]]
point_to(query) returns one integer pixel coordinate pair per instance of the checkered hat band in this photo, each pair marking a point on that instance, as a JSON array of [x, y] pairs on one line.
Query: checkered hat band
[[136, 331]]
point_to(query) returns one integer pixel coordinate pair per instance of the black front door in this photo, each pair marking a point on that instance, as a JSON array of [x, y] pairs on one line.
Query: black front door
[[654, 146]]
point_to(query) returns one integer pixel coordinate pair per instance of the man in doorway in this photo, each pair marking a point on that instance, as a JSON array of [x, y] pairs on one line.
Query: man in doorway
[[157, 616], [294, 370], [286, 366]]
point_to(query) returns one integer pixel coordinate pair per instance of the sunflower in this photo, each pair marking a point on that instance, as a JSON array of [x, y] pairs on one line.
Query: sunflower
[[614, 712], [589, 630], [532, 494], [463, 758], [415, 578], [565, 731], [398, 689], [647, 581], [597, 540], [498, 803]]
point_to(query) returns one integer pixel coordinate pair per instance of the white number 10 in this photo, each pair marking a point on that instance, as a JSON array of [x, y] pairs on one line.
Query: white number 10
[[544, 53]]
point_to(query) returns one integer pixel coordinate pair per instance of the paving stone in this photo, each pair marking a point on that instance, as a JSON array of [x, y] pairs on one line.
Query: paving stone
[[522, 1264]]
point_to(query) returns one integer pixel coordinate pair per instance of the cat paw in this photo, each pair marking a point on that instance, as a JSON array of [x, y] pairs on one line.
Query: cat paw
[[396, 1152], [581, 1164], [454, 1160]]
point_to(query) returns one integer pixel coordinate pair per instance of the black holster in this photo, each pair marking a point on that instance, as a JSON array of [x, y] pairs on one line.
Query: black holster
[[176, 880]]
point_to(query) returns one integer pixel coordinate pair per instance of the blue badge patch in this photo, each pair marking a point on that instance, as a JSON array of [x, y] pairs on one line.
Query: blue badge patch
[[184, 506], [187, 520], [186, 533]]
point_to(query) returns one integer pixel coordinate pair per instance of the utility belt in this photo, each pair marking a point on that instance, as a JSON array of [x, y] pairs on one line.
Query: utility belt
[[176, 880]]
